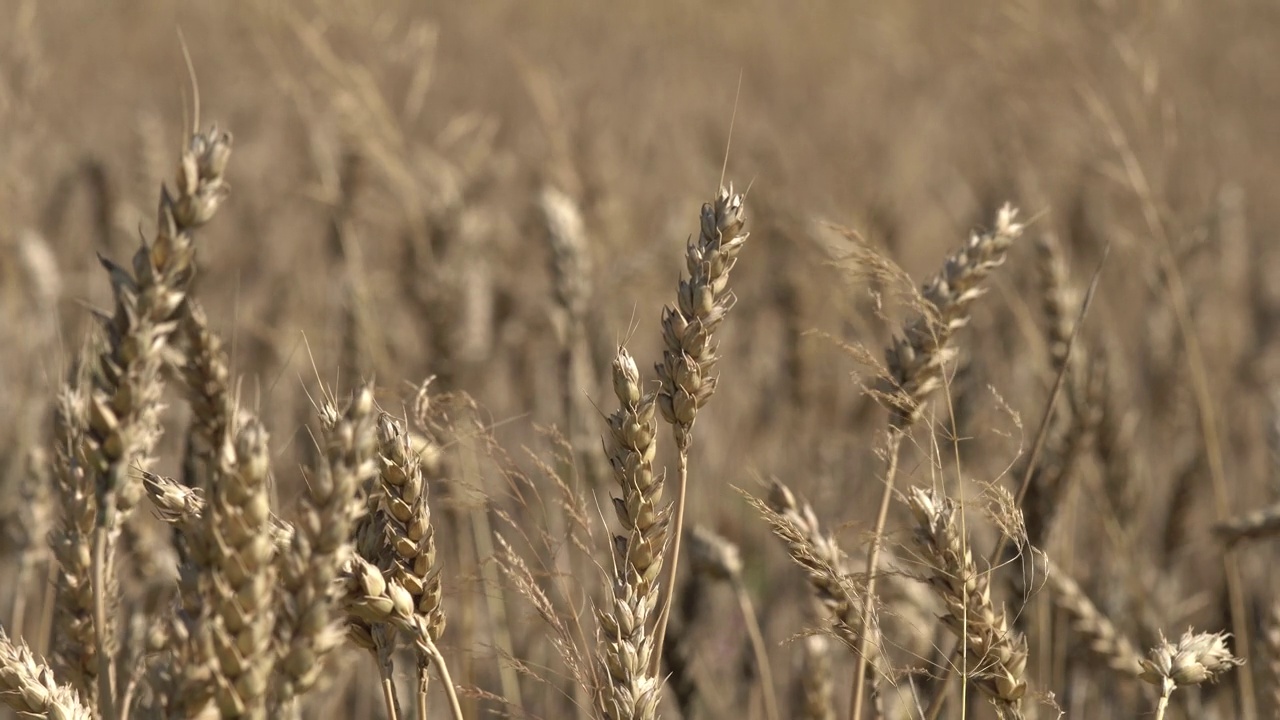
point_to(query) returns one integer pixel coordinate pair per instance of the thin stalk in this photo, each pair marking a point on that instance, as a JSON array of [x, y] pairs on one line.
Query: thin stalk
[[668, 589], [45, 628], [106, 691], [873, 558], [438, 661], [130, 691], [757, 646], [424, 680], [389, 692], [1166, 687]]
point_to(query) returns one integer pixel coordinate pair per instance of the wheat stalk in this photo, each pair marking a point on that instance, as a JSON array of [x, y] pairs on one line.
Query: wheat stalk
[[686, 372]]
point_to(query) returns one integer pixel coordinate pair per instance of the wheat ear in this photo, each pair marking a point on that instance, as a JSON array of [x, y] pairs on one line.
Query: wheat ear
[[403, 545], [241, 577], [1196, 658], [1254, 525], [633, 688], [1104, 638], [126, 384], [75, 649], [29, 688], [996, 655], [796, 524], [305, 630]]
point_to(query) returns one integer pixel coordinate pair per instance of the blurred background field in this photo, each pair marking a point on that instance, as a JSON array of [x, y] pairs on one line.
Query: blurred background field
[[385, 222]]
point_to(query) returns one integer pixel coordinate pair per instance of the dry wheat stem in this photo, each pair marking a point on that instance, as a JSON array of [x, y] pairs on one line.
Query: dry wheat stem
[[873, 559], [690, 354], [437, 660]]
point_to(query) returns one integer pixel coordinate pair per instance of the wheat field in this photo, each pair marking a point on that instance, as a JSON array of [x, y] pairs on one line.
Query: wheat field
[[757, 360]]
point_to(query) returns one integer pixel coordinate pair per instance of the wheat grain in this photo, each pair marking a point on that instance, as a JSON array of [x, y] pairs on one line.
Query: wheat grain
[[29, 687]]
